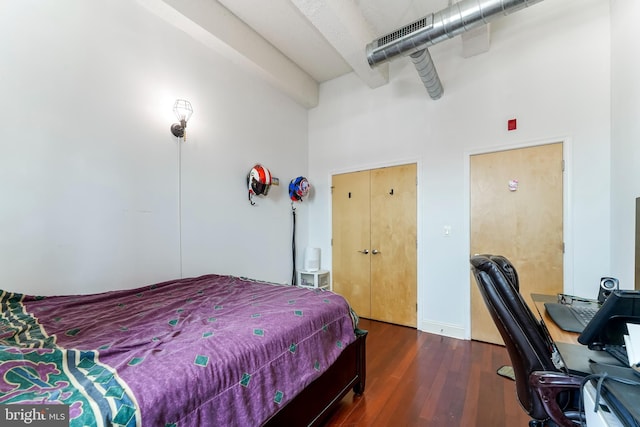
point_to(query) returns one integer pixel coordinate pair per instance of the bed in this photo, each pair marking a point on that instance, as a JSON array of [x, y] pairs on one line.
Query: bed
[[207, 351]]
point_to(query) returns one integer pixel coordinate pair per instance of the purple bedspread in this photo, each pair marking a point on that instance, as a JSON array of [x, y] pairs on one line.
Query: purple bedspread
[[207, 351]]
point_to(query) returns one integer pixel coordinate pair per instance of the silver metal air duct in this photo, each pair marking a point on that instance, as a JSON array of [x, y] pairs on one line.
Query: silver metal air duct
[[427, 72], [432, 29]]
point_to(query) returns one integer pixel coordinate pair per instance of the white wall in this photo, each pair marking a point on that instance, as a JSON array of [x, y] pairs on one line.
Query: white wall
[[625, 113], [89, 171], [549, 67]]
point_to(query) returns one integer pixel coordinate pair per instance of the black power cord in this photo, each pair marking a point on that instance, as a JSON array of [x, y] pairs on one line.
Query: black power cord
[[598, 388], [293, 246]]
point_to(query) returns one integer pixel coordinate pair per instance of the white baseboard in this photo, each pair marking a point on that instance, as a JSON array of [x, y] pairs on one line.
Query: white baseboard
[[453, 331]]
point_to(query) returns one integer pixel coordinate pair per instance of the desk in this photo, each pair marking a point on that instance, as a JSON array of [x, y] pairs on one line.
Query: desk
[[577, 357], [558, 335]]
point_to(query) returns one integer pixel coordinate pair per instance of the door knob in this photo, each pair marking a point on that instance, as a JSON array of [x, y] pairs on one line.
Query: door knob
[[375, 251], [364, 251]]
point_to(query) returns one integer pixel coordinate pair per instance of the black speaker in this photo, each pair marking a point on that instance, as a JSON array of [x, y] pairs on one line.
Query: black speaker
[[607, 285]]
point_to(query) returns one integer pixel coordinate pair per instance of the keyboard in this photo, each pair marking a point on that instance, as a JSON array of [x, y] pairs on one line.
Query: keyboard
[[571, 318]]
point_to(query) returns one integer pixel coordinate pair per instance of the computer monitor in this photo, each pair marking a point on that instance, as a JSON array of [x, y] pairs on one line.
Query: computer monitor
[[609, 325]]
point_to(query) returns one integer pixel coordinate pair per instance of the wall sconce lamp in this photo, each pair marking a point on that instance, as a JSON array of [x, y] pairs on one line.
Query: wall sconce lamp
[[183, 111]]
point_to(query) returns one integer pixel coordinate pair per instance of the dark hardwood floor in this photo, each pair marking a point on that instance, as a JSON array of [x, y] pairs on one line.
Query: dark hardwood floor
[[419, 379]]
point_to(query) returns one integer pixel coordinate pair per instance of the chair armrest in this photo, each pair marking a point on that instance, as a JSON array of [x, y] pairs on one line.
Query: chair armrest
[[548, 385]]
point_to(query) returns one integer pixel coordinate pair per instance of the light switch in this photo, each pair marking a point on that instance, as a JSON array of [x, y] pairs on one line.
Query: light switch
[[447, 230]]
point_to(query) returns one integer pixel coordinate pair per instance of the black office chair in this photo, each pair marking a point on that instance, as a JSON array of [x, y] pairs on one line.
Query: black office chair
[[545, 389], [510, 272], [507, 269]]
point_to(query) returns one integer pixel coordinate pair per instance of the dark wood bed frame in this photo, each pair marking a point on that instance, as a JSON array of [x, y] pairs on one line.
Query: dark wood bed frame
[[316, 402]]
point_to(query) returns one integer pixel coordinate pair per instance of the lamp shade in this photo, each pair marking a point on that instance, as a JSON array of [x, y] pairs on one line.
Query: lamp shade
[[182, 109]]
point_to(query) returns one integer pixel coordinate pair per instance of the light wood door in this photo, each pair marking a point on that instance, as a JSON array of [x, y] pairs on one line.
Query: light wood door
[[375, 211], [393, 244], [351, 224], [516, 211]]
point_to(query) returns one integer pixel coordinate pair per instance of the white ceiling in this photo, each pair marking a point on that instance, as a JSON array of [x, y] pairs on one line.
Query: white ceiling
[[296, 44], [295, 28]]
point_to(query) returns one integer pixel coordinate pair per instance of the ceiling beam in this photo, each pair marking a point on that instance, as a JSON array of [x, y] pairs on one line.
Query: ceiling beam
[[216, 27], [344, 27]]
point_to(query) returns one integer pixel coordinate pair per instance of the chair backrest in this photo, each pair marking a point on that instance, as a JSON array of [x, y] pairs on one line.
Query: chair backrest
[[525, 340], [508, 269]]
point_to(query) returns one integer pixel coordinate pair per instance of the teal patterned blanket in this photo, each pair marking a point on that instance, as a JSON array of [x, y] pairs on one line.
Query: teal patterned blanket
[[206, 351]]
